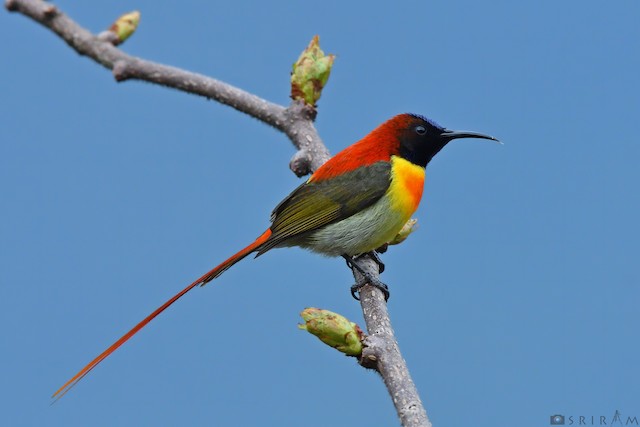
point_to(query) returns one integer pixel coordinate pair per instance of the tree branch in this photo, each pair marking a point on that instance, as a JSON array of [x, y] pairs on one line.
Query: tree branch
[[296, 121], [382, 352]]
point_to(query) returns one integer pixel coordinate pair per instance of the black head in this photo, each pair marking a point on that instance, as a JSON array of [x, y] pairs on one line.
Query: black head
[[421, 138]]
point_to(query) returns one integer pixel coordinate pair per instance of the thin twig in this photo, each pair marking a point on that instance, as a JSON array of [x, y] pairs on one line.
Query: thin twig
[[296, 121]]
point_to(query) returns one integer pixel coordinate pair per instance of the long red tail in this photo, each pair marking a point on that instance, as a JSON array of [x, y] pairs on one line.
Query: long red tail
[[200, 281]]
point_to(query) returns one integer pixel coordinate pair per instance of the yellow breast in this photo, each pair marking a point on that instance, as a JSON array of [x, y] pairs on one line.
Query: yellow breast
[[407, 182]]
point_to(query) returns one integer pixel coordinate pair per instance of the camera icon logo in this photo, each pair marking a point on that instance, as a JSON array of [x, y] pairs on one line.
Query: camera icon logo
[[556, 420]]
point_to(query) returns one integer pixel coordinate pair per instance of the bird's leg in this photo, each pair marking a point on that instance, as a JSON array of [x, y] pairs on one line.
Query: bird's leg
[[368, 278], [374, 256], [382, 249]]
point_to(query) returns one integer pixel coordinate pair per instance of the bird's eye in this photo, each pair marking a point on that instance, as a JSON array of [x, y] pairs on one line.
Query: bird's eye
[[421, 130]]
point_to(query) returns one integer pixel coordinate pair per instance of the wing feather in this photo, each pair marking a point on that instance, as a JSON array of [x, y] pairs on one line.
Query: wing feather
[[315, 204]]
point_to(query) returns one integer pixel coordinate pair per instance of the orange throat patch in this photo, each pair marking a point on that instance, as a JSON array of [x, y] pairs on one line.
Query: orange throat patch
[[406, 185]]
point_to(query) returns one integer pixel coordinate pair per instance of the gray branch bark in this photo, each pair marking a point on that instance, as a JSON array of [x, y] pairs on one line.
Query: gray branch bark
[[296, 121], [383, 352]]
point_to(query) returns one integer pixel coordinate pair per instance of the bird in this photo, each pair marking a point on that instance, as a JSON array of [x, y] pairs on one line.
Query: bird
[[352, 205]]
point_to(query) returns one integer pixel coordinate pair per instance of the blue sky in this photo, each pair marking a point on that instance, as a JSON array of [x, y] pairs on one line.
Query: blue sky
[[516, 299]]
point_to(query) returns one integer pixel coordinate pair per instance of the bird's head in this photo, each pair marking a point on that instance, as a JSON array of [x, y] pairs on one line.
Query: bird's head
[[410, 136], [420, 138]]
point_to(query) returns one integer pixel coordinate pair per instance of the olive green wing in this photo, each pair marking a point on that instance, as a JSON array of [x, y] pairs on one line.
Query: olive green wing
[[316, 204]]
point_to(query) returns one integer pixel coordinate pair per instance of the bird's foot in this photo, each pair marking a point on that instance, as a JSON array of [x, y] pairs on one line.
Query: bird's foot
[[367, 277], [368, 280], [374, 256]]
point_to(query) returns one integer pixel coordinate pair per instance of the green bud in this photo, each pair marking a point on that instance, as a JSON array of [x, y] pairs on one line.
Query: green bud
[[408, 228], [310, 73], [334, 330], [125, 26]]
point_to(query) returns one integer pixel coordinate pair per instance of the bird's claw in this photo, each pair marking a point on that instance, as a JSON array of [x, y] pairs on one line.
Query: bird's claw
[[367, 278], [355, 289]]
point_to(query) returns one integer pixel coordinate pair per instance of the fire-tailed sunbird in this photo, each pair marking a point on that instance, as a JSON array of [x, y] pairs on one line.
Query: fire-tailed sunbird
[[353, 204]]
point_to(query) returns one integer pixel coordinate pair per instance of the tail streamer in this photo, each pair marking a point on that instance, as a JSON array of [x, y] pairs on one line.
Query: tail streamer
[[217, 271]]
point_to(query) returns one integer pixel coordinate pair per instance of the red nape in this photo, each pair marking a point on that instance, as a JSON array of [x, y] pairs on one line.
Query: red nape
[[377, 146]]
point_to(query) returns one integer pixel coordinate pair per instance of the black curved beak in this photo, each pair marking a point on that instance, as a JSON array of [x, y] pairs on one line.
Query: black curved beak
[[448, 135]]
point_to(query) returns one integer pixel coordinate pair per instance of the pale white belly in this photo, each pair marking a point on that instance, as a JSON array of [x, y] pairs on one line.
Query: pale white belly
[[360, 233]]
